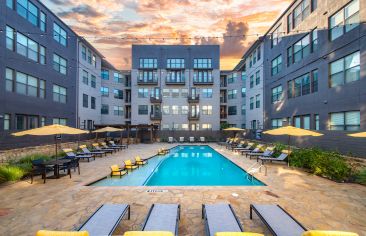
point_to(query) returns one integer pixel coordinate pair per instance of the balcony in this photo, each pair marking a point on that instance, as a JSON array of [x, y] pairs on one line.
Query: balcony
[[203, 82], [156, 99], [142, 81], [193, 99], [223, 116], [175, 82], [193, 116], [155, 115], [223, 100]]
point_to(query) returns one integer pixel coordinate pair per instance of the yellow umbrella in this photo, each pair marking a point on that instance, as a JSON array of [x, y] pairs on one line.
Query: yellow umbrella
[[107, 129], [292, 131], [233, 129], [358, 135], [50, 130]]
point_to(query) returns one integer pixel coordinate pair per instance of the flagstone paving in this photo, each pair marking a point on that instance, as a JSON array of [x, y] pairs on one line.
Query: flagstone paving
[[66, 203]]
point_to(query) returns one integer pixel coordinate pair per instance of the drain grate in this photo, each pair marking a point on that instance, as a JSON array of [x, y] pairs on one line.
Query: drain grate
[[156, 191]]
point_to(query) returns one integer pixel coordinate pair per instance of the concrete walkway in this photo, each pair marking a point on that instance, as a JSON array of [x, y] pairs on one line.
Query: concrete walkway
[[65, 204]]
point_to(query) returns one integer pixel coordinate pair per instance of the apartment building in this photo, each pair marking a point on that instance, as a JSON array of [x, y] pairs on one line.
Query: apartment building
[[315, 76], [38, 64], [89, 85], [176, 87], [115, 95]]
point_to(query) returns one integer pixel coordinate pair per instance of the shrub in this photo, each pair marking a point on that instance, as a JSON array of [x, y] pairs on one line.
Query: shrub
[[25, 163], [360, 177], [11, 173], [328, 164], [278, 147]]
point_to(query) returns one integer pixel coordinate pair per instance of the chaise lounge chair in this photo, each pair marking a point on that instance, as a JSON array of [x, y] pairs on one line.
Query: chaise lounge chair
[[170, 140], [129, 165], [99, 149], [224, 143], [117, 171], [191, 139], [88, 152], [220, 218], [202, 139], [163, 218], [139, 161], [112, 144], [249, 146], [181, 139], [278, 221], [105, 146], [257, 149], [70, 154], [280, 158]]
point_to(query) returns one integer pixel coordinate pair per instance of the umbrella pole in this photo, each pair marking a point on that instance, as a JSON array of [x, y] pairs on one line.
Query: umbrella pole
[[56, 146], [289, 148]]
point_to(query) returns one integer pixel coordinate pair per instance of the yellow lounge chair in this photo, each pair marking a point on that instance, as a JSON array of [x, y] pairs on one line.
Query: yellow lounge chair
[[129, 165], [139, 161], [116, 171], [61, 233], [237, 234], [327, 233], [148, 233]]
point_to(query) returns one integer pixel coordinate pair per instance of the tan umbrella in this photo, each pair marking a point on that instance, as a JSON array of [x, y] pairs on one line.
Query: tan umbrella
[[235, 130], [50, 130], [292, 131], [105, 129], [358, 135]]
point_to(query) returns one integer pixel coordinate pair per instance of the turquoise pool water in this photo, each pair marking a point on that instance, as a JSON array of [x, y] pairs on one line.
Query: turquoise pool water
[[186, 166]]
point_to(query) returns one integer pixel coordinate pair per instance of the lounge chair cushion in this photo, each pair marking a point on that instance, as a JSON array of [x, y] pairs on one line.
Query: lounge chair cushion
[[220, 218], [237, 234], [163, 217], [328, 233], [148, 233], [61, 233]]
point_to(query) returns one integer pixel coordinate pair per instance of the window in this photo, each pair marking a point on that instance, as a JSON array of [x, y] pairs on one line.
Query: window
[[7, 122], [59, 34], [166, 93], [175, 76], [10, 4], [345, 121], [251, 81], [175, 93], [89, 57], [185, 110], [24, 84], [92, 103], [243, 109], [231, 78], [85, 100], [165, 127], [202, 63], [118, 94], [207, 110], [300, 13], [93, 81], [345, 70], [306, 122], [276, 36], [202, 76], [117, 77], [303, 85], [314, 40], [289, 56], [59, 121], [104, 91], [257, 101], [297, 120], [258, 53], [59, 94], [42, 22], [276, 123], [148, 63], [289, 22], [232, 110], [184, 93], [206, 126], [105, 74], [43, 121], [94, 61], [175, 63], [314, 81], [59, 64], [257, 78], [143, 93], [166, 110], [243, 92], [251, 101], [105, 109], [148, 76], [118, 111], [83, 52], [85, 77], [206, 93], [29, 11], [277, 94], [9, 80], [344, 20], [143, 109], [175, 110], [301, 48], [232, 94], [316, 119], [276, 65], [10, 38]]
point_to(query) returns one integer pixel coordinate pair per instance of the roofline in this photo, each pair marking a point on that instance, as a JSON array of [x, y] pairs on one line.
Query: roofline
[[82, 39], [108, 65]]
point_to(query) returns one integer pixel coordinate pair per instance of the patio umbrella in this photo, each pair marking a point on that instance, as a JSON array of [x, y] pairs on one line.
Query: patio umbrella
[[50, 130], [292, 131], [235, 130], [358, 135], [105, 129]]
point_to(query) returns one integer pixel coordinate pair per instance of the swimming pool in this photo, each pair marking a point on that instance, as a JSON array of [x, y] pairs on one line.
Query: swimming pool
[[185, 166]]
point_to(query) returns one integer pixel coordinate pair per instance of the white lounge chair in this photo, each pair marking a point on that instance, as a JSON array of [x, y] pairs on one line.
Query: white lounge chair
[[181, 139], [170, 140], [202, 139], [191, 139]]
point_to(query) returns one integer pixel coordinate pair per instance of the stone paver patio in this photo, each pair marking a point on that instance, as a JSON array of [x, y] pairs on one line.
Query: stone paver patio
[[65, 204]]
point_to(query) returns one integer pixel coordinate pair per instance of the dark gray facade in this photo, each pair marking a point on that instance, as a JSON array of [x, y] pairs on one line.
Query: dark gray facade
[[37, 111], [320, 102]]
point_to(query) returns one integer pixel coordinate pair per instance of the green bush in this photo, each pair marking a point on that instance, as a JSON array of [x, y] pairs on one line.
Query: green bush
[[278, 147], [25, 163], [11, 173], [360, 177], [328, 164]]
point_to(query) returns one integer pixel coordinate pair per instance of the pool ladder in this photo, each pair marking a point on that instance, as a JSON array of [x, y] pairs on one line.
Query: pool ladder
[[256, 168]]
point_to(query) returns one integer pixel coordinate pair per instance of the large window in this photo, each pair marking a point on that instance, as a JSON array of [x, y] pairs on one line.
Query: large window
[[143, 109], [277, 94], [205, 127], [83, 52], [202, 76], [10, 38], [59, 64], [276, 36], [118, 110], [21, 83], [257, 78], [59, 94], [104, 91], [104, 109], [232, 110], [93, 81], [117, 77], [59, 34], [92, 103], [251, 103], [147, 76], [175, 76], [276, 65], [85, 100], [207, 110], [232, 94], [7, 122], [302, 48], [85, 77], [143, 92], [257, 101], [344, 20], [175, 63], [303, 85], [148, 63], [206, 92], [105, 74], [243, 92], [300, 13], [349, 120], [59, 121], [345, 70], [202, 63], [276, 123], [118, 94]]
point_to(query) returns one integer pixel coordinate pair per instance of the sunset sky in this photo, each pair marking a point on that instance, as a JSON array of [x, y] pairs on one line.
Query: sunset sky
[[105, 23]]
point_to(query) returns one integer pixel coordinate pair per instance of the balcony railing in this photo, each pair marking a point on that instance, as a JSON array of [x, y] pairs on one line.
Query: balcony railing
[[170, 81], [147, 81], [223, 100], [156, 115], [223, 116], [193, 116], [203, 82], [193, 98], [156, 99]]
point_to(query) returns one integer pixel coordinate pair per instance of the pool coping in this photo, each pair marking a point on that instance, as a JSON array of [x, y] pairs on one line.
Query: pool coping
[[89, 183]]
